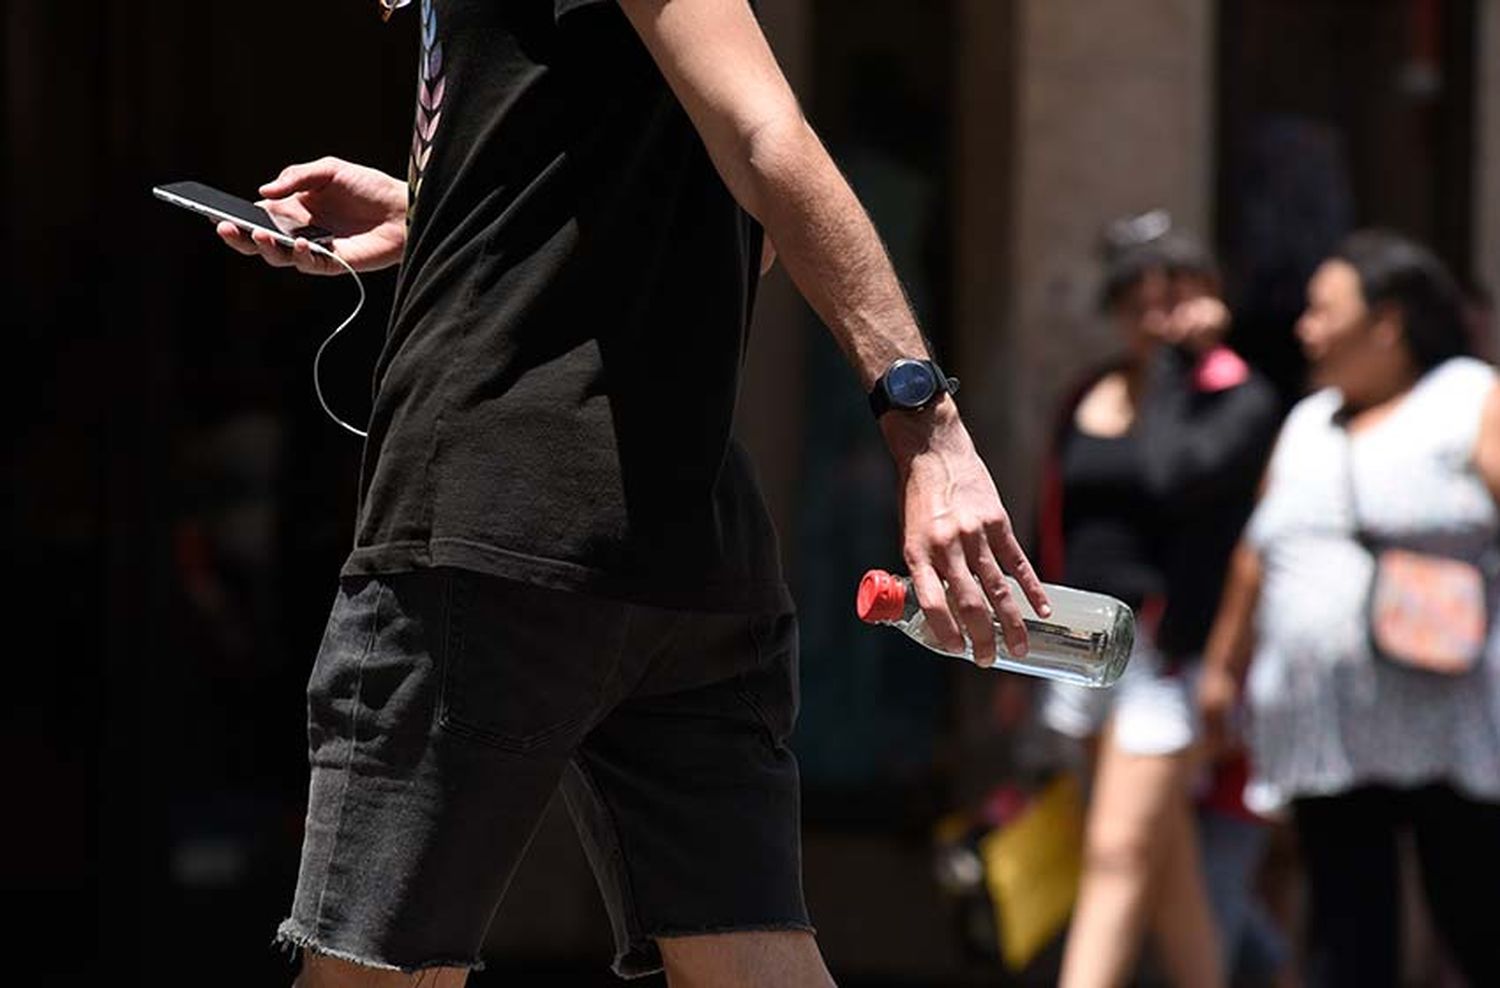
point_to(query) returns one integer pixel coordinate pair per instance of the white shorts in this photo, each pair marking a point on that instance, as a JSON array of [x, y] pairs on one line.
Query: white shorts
[[1153, 710]]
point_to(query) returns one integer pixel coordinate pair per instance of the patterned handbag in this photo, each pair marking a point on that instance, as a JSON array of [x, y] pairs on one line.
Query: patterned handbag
[[1427, 611]]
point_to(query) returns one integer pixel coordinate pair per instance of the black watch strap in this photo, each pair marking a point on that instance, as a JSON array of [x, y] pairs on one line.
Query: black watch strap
[[880, 398]]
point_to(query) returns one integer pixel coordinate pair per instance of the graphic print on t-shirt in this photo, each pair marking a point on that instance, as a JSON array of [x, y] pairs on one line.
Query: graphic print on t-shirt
[[429, 105]]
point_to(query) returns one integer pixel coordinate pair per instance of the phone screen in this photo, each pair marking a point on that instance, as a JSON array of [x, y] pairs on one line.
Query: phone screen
[[210, 202]]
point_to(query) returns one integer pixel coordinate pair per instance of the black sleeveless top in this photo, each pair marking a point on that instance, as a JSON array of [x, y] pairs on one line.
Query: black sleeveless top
[[1156, 513], [1110, 524]]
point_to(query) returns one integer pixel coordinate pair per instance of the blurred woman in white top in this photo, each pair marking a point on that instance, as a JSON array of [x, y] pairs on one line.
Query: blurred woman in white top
[[1402, 442]]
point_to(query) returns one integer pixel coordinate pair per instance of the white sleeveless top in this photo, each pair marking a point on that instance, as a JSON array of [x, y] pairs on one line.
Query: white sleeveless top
[[1326, 715]]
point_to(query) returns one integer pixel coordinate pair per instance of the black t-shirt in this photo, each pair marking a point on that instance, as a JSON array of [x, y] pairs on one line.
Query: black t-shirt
[[555, 399]]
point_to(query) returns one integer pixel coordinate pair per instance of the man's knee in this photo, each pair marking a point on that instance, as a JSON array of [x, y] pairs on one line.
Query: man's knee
[[746, 959], [321, 971]]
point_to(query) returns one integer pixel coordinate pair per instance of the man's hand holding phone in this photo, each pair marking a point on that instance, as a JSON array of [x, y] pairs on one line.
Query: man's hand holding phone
[[364, 207]]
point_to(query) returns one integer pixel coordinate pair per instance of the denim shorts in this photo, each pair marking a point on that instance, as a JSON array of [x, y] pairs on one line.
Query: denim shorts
[[445, 709]]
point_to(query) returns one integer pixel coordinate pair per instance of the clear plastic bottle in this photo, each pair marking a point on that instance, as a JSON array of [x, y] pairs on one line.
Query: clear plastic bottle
[[1087, 640]]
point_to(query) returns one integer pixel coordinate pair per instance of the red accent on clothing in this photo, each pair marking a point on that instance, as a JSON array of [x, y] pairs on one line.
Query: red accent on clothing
[[1219, 370], [1225, 792]]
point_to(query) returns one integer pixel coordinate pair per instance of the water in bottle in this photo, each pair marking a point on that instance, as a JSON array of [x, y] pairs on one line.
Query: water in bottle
[[1086, 640]]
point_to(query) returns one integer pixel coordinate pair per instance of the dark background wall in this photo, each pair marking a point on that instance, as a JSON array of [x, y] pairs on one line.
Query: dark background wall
[[177, 505]]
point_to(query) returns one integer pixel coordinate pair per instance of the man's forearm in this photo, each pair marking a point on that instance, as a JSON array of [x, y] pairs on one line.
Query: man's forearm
[[716, 59], [957, 538], [829, 247]]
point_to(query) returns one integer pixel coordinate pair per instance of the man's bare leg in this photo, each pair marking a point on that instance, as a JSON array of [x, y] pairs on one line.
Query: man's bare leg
[[786, 959], [319, 971]]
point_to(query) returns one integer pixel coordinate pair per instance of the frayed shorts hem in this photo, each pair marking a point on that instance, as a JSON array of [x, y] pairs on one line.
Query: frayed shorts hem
[[290, 937]]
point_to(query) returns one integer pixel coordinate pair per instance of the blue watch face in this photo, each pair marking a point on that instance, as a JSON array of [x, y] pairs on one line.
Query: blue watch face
[[910, 384]]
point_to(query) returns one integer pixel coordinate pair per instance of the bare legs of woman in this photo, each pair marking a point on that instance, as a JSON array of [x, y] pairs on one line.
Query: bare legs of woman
[[729, 960], [1183, 923], [1141, 872]]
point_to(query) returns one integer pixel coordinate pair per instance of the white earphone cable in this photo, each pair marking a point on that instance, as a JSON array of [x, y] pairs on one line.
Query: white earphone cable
[[318, 360]]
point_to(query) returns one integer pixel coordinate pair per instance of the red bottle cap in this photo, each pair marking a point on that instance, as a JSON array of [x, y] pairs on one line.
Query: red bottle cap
[[882, 597]]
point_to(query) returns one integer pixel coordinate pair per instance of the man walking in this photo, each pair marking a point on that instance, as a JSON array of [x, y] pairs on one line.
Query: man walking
[[564, 575]]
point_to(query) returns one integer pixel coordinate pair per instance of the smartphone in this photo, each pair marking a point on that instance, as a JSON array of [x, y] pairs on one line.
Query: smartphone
[[246, 215]]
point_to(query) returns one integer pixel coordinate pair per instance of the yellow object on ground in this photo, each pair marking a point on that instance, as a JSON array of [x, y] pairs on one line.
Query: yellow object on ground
[[1032, 868]]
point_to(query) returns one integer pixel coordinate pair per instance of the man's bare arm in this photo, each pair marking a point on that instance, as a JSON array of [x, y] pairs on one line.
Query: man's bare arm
[[717, 61], [714, 56]]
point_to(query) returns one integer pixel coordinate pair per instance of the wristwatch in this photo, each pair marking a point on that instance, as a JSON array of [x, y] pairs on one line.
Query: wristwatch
[[910, 385]]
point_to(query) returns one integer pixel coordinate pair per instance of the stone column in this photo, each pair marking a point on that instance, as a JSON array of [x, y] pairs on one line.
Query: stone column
[[985, 100], [1114, 107]]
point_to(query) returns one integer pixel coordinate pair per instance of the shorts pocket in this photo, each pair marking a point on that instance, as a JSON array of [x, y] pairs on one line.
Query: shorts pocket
[[524, 667]]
